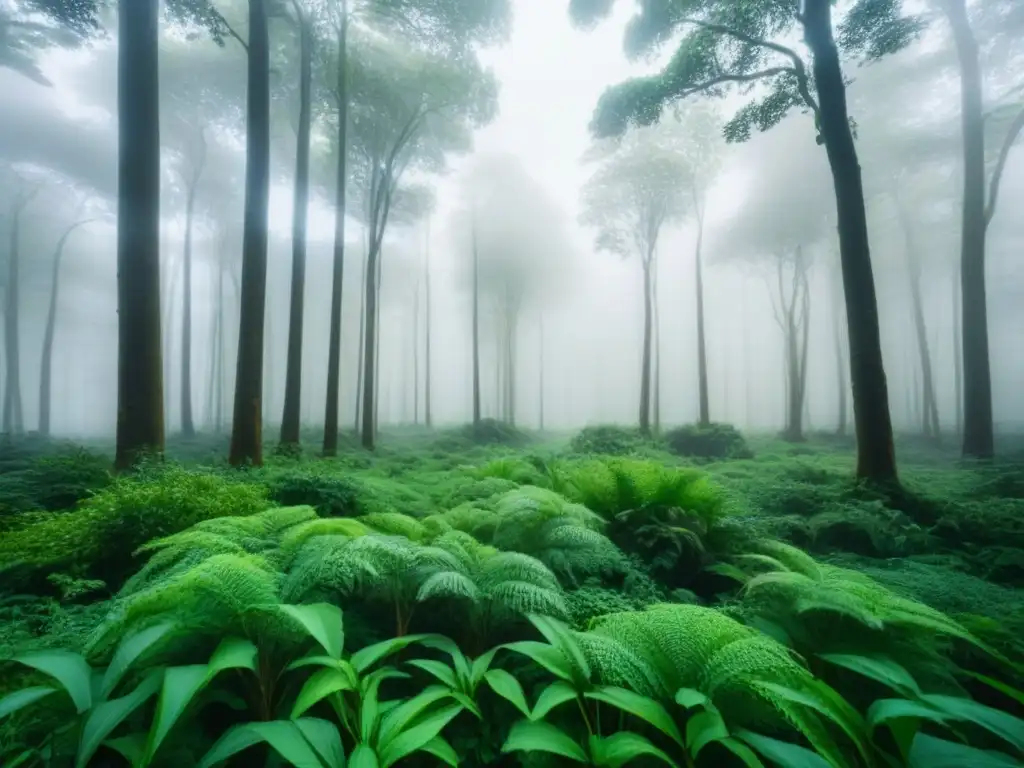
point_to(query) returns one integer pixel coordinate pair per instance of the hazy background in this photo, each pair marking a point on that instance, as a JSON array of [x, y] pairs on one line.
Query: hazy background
[[551, 76]]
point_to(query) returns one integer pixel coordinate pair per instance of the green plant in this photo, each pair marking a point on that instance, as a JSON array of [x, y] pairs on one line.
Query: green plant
[[710, 441], [608, 440]]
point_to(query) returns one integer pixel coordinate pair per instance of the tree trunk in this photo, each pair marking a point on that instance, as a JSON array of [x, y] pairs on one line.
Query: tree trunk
[[46, 367], [656, 362], [140, 407], [341, 179], [540, 388], [247, 426], [14, 415], [958, 371], [213, 374], [476, 328], [837, 340], [369, 415], [427, 410], [362, 349], [978, 433], [704, 413], [292, 415], [169, 319], [416, 357], [645, 362], [378, 291], [187, 424], [876, 456]]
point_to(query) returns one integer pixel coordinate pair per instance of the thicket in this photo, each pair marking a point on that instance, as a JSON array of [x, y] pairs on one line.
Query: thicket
[[501, 604]]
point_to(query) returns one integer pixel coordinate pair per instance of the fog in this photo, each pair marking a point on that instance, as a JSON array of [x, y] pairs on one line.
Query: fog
[[517, 193]]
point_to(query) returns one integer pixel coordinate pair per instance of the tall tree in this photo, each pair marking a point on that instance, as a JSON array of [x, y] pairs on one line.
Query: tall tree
[[246, 430], [198, 163], [639, 186], [14, 414], [476, 322], [428, 412], [737, 43], [300, 215], [50, 331]]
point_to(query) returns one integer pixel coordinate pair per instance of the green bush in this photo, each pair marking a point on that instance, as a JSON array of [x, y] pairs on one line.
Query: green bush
[[607, 440], [53, 482], [98, 539], [713, 441], [331, 494]]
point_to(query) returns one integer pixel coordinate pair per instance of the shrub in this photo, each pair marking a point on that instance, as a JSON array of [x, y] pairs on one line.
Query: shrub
[[99, 538], [53, 482], [332, 495], [608, 439], [494, 432], [713, 441]]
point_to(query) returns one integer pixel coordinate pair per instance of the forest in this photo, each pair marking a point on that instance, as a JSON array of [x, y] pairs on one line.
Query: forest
[[511, 383]]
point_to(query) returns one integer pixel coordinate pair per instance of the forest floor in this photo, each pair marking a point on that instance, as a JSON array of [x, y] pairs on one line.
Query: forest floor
[[952, 538]]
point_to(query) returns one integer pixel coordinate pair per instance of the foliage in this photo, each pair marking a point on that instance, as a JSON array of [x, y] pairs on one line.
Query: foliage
[[608, 440], [51, 482], [99, 538], [733, 44], [713, 441]]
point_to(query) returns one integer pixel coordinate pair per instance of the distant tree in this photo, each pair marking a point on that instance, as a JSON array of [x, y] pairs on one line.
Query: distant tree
[[409, 107], [737, 44], [25, 191], [641, 184]]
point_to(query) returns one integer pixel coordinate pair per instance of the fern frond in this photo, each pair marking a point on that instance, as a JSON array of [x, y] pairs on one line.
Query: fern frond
[[448, 584], [395, 524], [523, 597], [515, 566]]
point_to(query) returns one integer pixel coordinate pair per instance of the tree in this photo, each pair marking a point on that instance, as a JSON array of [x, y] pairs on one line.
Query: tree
[[300, 214], [409, 107], [639, 186], [13, 412], [46, 365], [728, 44], [29, 26]]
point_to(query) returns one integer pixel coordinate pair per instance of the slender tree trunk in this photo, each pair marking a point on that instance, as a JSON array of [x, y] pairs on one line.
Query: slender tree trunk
[[369, 419], [476, 328], [427, 409], [645, 363], [805, 331], [930, 410], [213, 375], [416, 357], [704, 412], [187, 423], [656, 375], [169, 320], [837, 340], [247, 422], [292, 416], [140, 414], [46, 367], [330, 447], [540, 368], [362, 348], [378, 290], [511, 326], [876, 456], [958, 371], [12, 320], [978, 433]]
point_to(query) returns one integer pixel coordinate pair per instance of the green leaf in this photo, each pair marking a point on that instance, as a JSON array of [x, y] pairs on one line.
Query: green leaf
[[703, 728], [549, 657], [560, 636], [480, 666], [317, 660], [782, 753], [506, 686], [128, 652], [729, 571], [442, 750], [619, 748], [324, 623], [320, 685], [366, 657], [930, 752], [105, 717], [325, 739], [68, 669], [236, 739], [363, 756], [468, 703], [182, 684], [1003, 725], [395, 721], [743, 752], [418, 736], [287, 740], [553, 696], [527, 736], [647, 709], [688, 698], [884, 711], [13, 702], [879, 668], [1003, 688], [132, 748], [438, 669]]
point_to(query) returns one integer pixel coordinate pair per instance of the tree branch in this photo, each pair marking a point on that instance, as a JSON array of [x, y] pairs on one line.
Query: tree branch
[[997, 174], [219, 18], [799, 68], [733, 78]]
